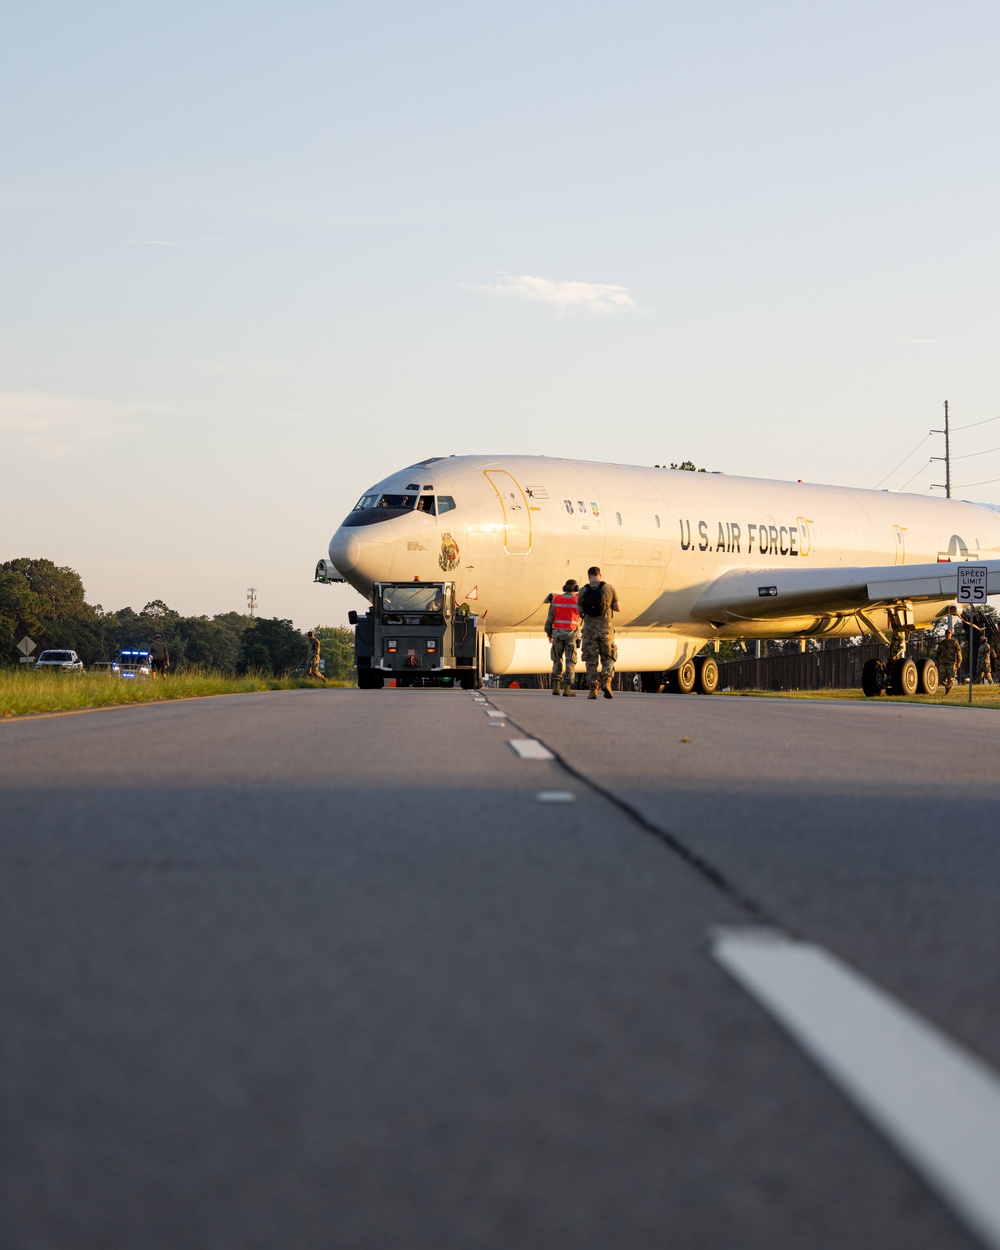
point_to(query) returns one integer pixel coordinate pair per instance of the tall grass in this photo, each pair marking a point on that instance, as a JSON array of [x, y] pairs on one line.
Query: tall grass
[[23, 691]]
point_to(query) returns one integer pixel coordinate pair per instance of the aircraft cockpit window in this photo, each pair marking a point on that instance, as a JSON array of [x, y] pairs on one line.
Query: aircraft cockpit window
[[426, 504], [366, 501], [618, 517], [445, 503], [657, 520], [397, 501]]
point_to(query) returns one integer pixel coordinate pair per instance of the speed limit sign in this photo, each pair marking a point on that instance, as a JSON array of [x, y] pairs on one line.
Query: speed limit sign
[[972, 583]]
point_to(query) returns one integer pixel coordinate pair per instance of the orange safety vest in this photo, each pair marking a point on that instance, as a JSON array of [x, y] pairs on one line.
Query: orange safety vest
[[564, 612]]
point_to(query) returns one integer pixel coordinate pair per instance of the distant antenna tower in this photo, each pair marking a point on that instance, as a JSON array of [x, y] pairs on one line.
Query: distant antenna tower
[[252, 600], [947, 454]]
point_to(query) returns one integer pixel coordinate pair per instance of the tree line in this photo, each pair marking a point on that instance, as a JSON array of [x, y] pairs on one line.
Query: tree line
[[47, 603]]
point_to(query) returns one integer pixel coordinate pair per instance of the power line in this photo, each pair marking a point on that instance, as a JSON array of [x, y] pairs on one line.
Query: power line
[[901, 443], [917, 474], [966, 485], [975, 423], [902, 462], [991, 391], [969, 454]]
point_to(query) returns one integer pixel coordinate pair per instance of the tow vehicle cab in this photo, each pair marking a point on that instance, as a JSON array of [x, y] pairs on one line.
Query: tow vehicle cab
[[414, 632]]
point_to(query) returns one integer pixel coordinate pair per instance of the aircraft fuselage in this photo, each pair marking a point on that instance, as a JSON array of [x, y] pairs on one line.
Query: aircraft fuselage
[[510, 529]]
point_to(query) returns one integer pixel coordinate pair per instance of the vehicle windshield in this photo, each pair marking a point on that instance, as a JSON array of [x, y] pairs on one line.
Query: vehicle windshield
[[413, 597], [56, 655]]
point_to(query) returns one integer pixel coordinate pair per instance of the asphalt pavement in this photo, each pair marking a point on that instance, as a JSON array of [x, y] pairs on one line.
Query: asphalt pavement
[[342, 969]]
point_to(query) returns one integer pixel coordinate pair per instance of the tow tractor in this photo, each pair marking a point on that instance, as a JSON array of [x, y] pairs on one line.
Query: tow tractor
[[414, 632]]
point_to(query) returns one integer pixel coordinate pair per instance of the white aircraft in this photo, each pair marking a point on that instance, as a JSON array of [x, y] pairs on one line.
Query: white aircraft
[[695, 557]]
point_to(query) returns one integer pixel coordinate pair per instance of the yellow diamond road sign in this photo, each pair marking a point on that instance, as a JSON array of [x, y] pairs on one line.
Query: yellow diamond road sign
[[26, 645]]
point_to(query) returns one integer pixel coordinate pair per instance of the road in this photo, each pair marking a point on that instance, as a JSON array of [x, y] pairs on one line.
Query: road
[[322, 968]]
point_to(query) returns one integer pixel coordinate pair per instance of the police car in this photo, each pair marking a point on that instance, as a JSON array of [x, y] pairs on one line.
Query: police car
[[59, 661], [133, 664]]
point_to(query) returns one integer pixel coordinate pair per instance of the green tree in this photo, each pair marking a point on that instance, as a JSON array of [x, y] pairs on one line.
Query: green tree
[[208, 643], [272, 645], [45, 601], [337, 650]]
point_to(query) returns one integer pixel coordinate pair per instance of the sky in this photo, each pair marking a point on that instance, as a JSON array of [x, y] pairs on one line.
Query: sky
[[255, 257]]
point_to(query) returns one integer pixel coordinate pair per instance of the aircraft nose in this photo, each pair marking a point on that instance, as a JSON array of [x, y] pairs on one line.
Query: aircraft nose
[[345, 550]]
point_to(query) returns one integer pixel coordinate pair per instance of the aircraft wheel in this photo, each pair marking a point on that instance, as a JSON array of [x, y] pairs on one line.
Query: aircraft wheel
[[928, 678], [706, 674], [367, 680], [904, 678], [874, 678], [470, 681], [681, 680], [651, 683]]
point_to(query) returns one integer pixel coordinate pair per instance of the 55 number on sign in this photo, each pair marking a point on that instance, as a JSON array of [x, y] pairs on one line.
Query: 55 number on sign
[[972, 585]]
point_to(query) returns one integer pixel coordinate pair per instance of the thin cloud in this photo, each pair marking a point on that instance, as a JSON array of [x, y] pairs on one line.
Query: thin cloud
[[52, 426], [599, 298], [155, 242]]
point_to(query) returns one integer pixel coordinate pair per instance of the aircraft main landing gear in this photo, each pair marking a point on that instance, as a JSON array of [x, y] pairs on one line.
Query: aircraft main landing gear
[[706, 674], [903, 677], [928, 678], [874, 678], [681, 680], [701, 674]]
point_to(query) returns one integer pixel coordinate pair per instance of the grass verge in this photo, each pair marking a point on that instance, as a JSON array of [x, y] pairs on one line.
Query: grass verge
[[24, 692], [982, 696]]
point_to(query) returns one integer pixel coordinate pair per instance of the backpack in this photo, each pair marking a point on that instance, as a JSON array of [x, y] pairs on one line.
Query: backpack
[[592, 600]]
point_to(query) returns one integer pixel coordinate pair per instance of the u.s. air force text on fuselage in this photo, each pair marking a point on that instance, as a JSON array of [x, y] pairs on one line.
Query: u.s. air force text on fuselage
[[688, 552], [761, 537]]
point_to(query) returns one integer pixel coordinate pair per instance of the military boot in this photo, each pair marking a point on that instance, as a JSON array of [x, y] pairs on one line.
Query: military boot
[[555, 686], [593, 690], [568, 691], [606, 687]]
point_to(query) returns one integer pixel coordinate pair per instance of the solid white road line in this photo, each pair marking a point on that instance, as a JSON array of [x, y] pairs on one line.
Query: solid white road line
[[937, 1104], [530, 749]]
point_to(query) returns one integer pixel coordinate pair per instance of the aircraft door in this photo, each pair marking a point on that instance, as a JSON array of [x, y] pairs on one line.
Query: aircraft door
[[516, 515], [899, 534]]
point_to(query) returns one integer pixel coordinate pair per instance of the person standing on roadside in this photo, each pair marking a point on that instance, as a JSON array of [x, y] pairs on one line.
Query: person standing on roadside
[[562, 628], [597, 604], [313, 658], [984, 664], [159, 657], [949, 657]]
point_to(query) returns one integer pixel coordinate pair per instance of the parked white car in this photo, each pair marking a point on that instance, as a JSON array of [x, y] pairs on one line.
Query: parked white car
[[59, 661]]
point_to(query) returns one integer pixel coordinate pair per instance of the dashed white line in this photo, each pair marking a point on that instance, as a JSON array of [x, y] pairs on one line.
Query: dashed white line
[[937, 1104], [555, 796], [530, 749], [491, 712]]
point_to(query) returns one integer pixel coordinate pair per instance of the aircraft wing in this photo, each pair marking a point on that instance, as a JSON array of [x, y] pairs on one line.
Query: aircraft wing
[[763, 594]]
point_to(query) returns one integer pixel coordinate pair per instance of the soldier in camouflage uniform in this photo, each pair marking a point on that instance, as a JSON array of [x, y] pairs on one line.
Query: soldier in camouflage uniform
[[312, 657], [949, 657], [597, 603], [562, 627], [984, 665]]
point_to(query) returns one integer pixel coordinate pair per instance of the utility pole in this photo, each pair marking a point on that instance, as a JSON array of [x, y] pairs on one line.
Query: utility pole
[[947, 454], [252, 600]]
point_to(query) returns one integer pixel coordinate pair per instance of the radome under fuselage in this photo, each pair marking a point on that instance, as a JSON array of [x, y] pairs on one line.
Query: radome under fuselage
[[521, 525]]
